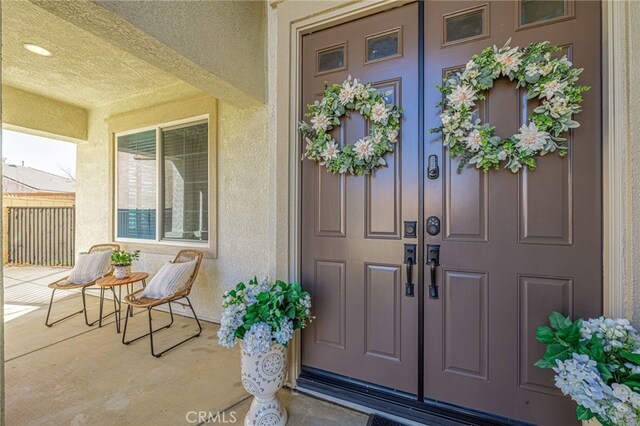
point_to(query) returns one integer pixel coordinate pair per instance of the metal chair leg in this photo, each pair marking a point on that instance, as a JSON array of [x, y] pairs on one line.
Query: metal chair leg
[[46, 321], [126, 321], [152, 331]]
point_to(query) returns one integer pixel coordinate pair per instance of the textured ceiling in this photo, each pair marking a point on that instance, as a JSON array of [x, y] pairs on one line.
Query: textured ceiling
[[84, 70]]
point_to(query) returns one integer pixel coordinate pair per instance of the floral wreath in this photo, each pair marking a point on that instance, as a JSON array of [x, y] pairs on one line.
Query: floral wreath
[[551, 80], [366, 154]]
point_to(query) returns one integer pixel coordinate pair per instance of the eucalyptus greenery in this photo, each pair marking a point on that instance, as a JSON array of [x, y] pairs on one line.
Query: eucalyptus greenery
[[123, 257], [260, 313], [597, 363], [549, 79], [337, 102]]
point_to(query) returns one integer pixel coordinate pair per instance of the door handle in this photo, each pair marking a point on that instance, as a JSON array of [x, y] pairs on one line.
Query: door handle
[[433, 260], [409, 260], [433, 288]]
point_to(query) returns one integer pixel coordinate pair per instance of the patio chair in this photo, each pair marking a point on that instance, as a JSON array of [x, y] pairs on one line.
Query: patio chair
[[137, 300], [64, 284]]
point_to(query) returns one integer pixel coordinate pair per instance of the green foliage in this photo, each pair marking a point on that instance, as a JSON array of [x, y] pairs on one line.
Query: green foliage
[[123, 257], [563, 338], [274, 303]]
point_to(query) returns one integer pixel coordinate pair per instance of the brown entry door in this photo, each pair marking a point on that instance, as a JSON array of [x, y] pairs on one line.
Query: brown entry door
[[352, 227], [513, 247]]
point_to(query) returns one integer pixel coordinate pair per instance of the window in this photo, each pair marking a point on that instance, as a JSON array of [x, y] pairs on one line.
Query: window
[[384, 46], [532, 11], [466, 25], [163, 168], [331, 59]]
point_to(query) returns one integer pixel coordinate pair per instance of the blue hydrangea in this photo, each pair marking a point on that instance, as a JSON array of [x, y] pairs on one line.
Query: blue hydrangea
[[615, 334], [232, 318], [579, 377], [284, 334], [253, 290], [257, 339]]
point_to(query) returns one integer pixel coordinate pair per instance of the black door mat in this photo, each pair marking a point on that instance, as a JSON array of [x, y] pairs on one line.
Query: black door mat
[[376, 420]]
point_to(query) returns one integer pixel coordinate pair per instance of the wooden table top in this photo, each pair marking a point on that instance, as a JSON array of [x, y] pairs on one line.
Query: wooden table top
[[111, 280]]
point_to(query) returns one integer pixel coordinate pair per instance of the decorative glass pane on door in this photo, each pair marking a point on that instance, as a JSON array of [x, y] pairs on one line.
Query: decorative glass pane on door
[[541, 10], [186, 182], [465, 25], [331, 59], [136, 185], [384, 46]]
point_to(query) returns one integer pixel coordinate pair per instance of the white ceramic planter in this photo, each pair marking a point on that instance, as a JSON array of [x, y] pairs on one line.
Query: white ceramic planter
[[262, 376], [122, 271]]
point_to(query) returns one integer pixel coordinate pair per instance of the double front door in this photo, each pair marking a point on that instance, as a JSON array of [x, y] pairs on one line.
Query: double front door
[[512, 247]]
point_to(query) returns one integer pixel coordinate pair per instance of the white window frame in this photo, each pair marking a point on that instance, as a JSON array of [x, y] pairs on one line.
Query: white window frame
[[199, 119]]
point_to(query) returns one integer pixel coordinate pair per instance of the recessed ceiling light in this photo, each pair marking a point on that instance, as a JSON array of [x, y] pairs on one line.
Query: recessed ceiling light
[[36, 49]]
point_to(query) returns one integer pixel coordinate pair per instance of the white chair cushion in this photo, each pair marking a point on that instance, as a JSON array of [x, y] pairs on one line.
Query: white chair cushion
[[170, 279], [90, 266]]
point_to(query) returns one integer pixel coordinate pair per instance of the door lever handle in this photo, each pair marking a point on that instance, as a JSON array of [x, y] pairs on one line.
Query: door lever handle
[[433, 260], [433, 287], [409, 260]]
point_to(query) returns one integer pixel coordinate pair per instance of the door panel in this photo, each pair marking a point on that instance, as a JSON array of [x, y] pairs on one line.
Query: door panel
[[513, 247], [352, 242]]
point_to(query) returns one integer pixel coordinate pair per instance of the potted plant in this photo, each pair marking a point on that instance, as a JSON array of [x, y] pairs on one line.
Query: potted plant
[[121, 260], [263, 317], [597, 363]]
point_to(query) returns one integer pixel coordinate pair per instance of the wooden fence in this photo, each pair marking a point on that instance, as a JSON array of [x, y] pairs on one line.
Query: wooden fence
[[42, 235]]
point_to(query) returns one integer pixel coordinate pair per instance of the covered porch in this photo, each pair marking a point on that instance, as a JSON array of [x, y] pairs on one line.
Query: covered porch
[[74, 374]]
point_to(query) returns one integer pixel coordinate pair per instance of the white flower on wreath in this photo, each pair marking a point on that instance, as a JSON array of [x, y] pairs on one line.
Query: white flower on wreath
[[473, 140], [363, 148], [469, 65], [309, 146], [509, 60], [377, 137], [462, 95], [360, 91], [392, 135], [330, 151], [546, 69], [532, 69], [320, 121], [551, 88], [530, 138], [348, 91], [557, 107], [446, 119], [379, 112], [502, 155], [471, 75]]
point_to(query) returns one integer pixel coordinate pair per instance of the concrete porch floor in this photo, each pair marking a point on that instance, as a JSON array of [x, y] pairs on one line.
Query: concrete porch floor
[[71, 374]]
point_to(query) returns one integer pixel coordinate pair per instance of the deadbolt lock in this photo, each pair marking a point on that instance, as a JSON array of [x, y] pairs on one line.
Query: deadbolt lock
[[433, 225]]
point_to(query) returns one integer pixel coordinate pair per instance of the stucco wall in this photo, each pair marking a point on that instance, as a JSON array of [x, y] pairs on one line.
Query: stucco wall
[[30, 113], [632, 288], [243, 203], [224, 37]]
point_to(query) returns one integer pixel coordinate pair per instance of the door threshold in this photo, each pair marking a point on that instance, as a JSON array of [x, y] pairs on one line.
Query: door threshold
[[401, 406]]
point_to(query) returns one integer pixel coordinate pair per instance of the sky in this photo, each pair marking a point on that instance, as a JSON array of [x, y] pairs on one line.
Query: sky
[[46, 154]]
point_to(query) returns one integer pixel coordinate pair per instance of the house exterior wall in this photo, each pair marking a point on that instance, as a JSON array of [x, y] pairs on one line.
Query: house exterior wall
[[210, 34], [31, 113], [632, 231], [242, 199]]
